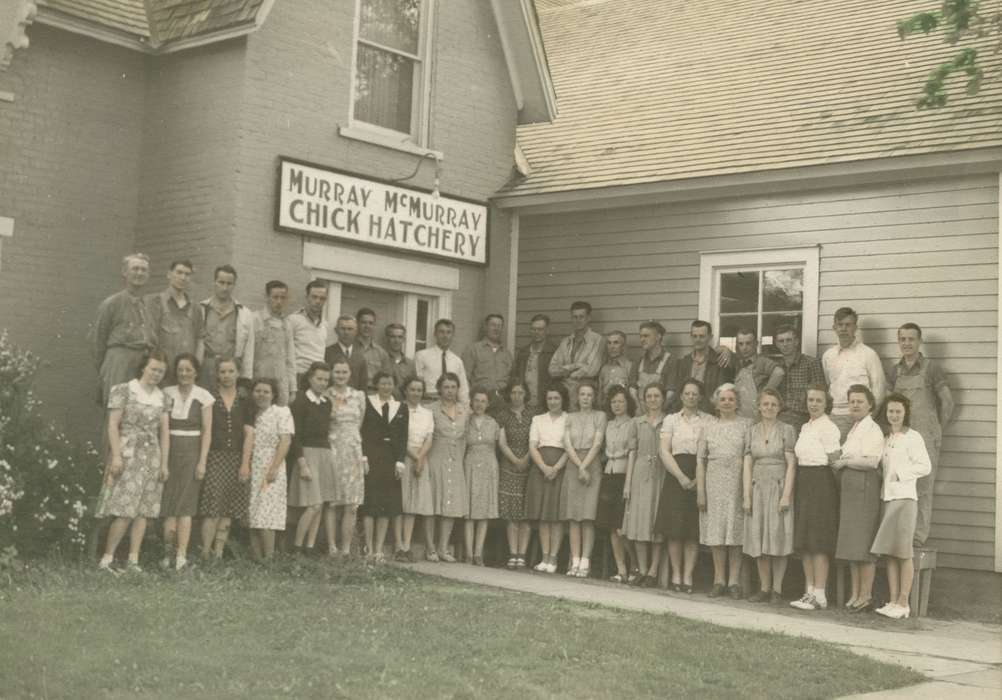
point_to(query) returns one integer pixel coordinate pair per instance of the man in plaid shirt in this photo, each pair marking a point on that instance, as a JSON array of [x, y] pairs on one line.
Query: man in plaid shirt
[[801, 371]]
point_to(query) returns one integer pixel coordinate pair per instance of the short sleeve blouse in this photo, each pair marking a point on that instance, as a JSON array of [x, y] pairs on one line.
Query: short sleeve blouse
[[181, 406], [818, 438], [547, 431], [685, 431], [421, 424], [582, 427], [228, 424]]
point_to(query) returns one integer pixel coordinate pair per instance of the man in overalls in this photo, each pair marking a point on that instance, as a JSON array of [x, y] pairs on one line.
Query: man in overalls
[[656, 365], [753, 373], [176, 318], [274, 346], [925, 385]]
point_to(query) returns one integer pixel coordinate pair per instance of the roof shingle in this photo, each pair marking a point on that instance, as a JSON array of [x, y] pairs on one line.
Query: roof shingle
[[657, 90]]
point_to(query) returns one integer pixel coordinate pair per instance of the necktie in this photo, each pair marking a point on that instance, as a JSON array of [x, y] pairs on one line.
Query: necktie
[[444, 368], [386, 411]]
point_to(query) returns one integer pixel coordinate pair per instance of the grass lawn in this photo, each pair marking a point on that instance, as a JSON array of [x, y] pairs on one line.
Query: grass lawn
[[313, 629]]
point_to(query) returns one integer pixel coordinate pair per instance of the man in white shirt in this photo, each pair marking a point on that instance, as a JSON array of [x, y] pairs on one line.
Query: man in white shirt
[[850, 362], [309, 329], [431, 363]]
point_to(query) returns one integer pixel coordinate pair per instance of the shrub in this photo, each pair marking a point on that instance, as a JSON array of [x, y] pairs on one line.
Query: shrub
[[47, 481]]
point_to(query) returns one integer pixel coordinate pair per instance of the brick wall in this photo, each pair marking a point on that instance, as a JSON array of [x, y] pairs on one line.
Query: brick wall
[[69, 173]]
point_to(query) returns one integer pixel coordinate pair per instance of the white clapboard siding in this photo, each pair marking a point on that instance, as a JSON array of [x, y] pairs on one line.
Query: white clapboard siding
[[925, 252]]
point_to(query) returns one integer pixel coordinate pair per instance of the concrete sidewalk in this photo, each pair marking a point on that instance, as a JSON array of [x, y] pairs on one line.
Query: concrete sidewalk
[[962, 659]]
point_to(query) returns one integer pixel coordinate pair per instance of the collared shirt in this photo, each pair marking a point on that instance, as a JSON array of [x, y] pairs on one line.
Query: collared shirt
[[309, 338], [238, 340], [685, 431], [865, 439], [547, 431], [588, 353], [615, 372], [428, 366], [761, 367], [178, 328], [487, 365], [402, 369], [803, 371], [856, 364], [661, 365], [376, 359], [818, 438], [905, 461], [531, 377], [123, 320], [921, 383], [313, 398]]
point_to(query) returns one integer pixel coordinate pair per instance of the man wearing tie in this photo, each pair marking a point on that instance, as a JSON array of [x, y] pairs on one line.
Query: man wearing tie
[[432, 363], [347, 347]]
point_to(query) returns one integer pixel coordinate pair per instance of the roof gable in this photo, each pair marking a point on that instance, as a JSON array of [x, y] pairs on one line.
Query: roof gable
[[656, 90]]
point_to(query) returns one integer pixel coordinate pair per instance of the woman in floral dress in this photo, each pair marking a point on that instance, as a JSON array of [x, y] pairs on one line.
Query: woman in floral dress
[[719, 461], [349, 463], [480, 466], [445, 461], [139, 442], [273, 430], [513, 440]]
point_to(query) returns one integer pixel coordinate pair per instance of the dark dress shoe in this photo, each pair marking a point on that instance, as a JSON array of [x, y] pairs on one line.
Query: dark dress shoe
[[759, 597], [717, 590], [735, 592]]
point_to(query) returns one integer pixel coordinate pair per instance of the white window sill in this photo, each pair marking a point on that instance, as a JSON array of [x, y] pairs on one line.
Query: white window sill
[[378, 138]]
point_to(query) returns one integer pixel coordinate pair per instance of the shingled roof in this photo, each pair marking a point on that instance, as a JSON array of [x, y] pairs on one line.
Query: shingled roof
[[658, 90], [161, 22]]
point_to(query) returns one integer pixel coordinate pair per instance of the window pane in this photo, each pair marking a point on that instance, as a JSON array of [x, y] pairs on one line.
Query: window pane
[[384, 84], [770, 322], [729, 326], [783, 290], [738, 291], [392, 23], [421, 332]]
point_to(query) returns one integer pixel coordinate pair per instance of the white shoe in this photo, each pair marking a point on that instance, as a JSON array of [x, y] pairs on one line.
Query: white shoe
[[886, 610], [806, 602], [165, 563], [822, 603], [180, 564], [541, 567], [901, 612], [573, 571], [551, 568]]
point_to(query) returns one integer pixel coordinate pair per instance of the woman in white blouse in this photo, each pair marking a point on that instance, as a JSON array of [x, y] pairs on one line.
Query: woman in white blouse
[[859, 509], [542, 492], [905, 460], [415, 486], [815, 503]]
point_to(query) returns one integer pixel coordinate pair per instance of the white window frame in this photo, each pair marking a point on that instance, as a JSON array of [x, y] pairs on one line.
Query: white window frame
[[712, 264], [417, 139]]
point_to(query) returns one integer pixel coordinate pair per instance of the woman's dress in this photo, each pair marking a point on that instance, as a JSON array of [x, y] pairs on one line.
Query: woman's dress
[[137, 491], [722, 448], [415, 490], [646, 482], [579, 501], [678, 514], [181, 492], [767, 530], [449, 491], [223, 494], [513, 478], [859, 494], [268, 500], [311, 415], [345, 438], [480, 466], [384, 443], [620, 440]]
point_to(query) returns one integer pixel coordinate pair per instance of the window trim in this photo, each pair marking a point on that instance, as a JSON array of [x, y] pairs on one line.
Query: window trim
[[712, 263], [417, 140]]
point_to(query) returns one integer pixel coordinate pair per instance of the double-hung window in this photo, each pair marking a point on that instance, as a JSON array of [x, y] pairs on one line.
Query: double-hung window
[[760, 291], [391, 72]]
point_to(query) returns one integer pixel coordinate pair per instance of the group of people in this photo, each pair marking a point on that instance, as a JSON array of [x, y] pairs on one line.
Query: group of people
[[225, 414]]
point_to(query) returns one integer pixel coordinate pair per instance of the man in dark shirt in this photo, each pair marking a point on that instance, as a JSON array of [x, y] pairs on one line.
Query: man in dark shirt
[[347, 347]]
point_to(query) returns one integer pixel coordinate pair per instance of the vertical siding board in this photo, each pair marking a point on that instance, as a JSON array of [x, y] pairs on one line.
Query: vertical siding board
[[926, 252]]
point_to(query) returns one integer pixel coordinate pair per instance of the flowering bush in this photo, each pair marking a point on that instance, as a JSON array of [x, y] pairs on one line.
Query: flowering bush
[[47, 482]]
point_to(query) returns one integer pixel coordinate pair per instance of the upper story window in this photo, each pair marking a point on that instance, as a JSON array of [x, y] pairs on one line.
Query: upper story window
[[390, 67]]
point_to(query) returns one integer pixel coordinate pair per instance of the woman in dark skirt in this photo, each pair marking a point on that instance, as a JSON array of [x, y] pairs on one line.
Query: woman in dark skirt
[[515, 421], [815, 502], [678, 514], [542, 492], [384, 444], [226, 487], [190, 434], [859, 502], [620, 441]]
